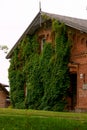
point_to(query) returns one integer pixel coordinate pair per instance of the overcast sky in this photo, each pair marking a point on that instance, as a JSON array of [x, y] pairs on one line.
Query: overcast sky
[[16, 15]]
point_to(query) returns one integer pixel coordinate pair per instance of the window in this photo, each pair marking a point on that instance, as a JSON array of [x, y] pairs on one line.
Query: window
[[43, 40]]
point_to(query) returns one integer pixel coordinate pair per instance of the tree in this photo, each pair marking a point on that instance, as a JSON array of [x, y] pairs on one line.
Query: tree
[[4, 48]]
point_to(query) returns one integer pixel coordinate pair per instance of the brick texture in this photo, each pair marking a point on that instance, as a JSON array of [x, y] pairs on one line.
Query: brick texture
[[2, 99], [4, 94], [79, 57]]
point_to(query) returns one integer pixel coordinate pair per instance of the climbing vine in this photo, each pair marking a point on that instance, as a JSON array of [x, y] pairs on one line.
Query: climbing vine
[[45, 75]]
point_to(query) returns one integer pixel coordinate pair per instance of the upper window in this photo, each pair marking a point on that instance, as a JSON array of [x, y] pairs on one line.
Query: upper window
[[43, 40], [42, 43]]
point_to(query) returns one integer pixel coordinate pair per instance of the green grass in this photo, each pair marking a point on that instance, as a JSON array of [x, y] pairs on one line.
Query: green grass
[[14, 119]]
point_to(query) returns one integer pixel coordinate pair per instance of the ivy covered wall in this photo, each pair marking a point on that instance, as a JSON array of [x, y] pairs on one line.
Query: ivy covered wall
[[45, 76]]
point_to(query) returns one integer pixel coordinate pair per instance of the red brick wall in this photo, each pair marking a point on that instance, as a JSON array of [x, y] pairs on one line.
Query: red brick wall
[[2, 99], [79, 56]]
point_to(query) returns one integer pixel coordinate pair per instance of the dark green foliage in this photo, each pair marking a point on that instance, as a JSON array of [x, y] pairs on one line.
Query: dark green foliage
[[16, 82], [46, 72], [45, 75], [34, 84]]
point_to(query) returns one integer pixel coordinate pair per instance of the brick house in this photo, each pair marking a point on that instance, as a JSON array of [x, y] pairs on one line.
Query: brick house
[[78, 58], [4, 96]]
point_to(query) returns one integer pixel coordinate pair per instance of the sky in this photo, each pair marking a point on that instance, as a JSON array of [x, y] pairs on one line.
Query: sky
[[16, 15]]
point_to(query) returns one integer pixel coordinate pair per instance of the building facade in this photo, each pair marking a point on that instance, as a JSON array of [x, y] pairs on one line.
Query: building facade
[[78, 57]]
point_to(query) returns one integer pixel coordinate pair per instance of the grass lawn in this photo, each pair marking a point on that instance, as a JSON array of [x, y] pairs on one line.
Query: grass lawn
[[14, 119]]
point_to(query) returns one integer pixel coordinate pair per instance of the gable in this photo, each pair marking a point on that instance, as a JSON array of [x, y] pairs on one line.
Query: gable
[[79, 24]]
